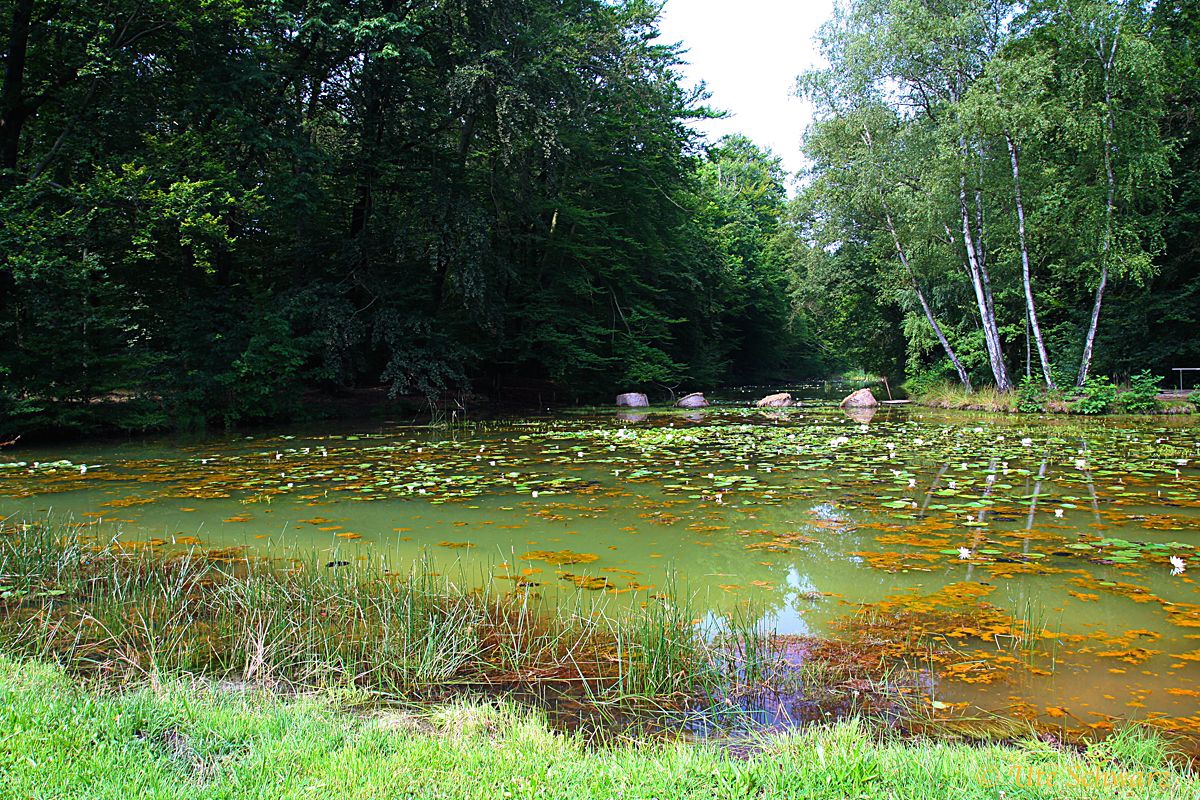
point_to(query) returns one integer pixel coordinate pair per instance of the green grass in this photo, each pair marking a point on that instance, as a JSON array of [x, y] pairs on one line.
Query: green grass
[[954, 396], [61, 739], [107, 612], [1090, 401]]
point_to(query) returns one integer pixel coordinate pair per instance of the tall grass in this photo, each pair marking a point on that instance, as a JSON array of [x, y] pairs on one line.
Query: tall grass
[[106, 610], [955, 396]]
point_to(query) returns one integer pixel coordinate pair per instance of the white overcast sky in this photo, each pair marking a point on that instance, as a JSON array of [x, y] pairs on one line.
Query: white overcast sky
[[749, 53]]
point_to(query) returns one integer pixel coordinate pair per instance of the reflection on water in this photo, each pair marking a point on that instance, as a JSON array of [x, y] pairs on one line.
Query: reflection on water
[[1039, 551]]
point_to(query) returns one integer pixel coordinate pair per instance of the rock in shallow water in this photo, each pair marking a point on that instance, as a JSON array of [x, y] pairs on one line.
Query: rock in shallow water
[[633, 400], [781, 400], [861, 399]]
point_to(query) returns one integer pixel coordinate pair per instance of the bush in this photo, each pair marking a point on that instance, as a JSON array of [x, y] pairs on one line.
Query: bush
[[1031, 396], [1095, 396], [1194, 399], [1142, 395]]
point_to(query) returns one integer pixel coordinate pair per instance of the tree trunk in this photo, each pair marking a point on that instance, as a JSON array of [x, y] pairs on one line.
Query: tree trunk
[[13, 111], [933, 323], [982, 297], [1030, 307], [1106, 63], [1085, 361]]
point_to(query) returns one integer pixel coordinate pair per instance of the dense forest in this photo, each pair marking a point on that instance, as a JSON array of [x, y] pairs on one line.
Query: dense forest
[[211, 212], [209, 208]]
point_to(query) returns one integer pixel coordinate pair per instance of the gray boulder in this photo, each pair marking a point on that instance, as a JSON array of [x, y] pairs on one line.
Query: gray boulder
[[633, 400], [693, 400]]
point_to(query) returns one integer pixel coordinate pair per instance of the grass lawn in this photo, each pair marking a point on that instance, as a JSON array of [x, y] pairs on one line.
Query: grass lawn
[[173, 739]]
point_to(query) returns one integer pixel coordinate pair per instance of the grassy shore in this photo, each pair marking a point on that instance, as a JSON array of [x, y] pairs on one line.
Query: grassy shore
[[140, 671], [121, 612], [1095, 399], [178, 739]]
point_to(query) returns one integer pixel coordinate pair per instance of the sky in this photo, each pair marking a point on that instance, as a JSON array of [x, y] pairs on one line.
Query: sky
[[749, 53]]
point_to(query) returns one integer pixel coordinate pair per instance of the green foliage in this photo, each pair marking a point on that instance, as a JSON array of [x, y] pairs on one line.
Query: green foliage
[[176, 739], [1194, 399], [1140, 397], [1095, 396], [1031, 396], [999, 159], [206, 211]]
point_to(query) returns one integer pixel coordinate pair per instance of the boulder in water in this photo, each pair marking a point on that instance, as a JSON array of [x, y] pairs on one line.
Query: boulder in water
[[781, 400], [633, 400], [693, 400], [861, 399]]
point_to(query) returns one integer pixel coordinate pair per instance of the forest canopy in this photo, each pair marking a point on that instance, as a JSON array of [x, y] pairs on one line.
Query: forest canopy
[[206, 209], [210, 211]]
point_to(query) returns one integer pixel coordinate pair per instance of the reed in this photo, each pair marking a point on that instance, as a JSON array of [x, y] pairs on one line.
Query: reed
[[99, 608]]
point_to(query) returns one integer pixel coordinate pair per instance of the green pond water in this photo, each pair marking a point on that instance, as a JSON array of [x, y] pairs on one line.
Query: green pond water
[[819, 522]]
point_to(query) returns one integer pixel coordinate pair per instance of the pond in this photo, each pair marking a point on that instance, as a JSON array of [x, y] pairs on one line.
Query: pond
[[1052, 559]]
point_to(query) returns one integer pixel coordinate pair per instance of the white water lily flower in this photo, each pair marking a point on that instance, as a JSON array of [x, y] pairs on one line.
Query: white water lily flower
[[1178, 565], [918, 442], [1080, 464], [952, 484], [964, 552], [83, 470], [533, 494], [912, 483], [1027, 442], [1058, 512]]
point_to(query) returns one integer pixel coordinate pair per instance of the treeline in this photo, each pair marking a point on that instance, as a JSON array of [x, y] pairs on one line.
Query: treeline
[[208, 209], [1004, 192]]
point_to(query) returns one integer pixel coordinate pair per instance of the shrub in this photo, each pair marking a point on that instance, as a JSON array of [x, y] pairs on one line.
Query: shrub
[[1141, 396], [1194, 399], [1031, 396], [1095, 396]]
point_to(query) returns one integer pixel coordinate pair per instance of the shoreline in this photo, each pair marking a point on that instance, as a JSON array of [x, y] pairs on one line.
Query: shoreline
[[175, 739]]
